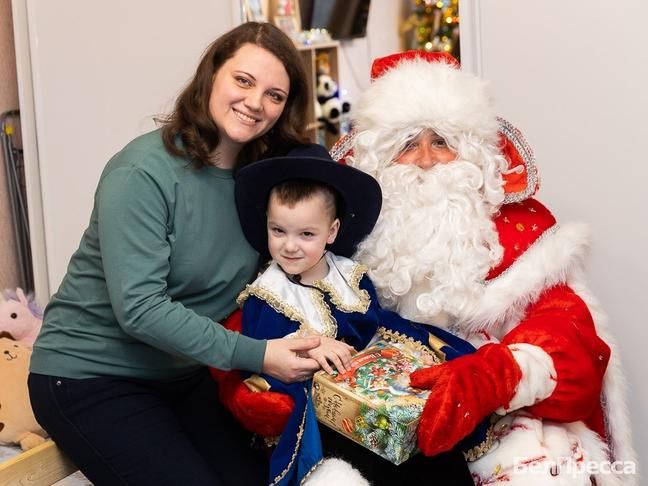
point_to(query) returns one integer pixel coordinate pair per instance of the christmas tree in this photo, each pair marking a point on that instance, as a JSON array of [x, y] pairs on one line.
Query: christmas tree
[[433, 25]]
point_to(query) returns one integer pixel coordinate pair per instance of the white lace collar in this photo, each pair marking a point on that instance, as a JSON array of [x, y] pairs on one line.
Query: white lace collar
[[307, 306]]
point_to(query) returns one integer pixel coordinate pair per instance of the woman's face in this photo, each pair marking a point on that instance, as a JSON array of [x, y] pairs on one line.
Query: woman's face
[[249, 93]]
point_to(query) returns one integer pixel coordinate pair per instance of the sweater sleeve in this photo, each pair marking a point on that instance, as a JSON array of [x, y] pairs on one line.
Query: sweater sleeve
[[133, 225], [561, 326]]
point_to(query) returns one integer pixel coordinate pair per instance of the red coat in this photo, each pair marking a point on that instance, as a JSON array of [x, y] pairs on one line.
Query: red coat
[[553, 318], [536, 296]]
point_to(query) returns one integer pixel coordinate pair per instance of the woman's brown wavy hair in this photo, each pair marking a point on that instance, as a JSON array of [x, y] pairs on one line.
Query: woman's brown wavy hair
[[192, 123]]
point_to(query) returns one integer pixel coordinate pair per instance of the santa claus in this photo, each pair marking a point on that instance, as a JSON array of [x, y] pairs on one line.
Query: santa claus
[[461, 243]]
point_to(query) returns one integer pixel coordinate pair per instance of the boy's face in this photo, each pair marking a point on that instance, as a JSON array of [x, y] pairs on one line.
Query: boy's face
[[297, 236]]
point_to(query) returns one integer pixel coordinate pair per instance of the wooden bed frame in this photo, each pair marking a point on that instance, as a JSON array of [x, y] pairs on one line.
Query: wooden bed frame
[[41, 466]]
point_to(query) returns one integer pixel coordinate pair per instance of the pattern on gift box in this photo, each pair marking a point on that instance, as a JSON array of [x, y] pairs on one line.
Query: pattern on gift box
[[372, 403]]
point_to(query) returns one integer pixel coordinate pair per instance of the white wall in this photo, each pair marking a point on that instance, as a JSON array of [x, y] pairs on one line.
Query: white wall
[[356, 55], [572, 76]]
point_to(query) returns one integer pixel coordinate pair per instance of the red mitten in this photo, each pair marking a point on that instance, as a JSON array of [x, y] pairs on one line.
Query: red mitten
[[264, 413], [464, 391]]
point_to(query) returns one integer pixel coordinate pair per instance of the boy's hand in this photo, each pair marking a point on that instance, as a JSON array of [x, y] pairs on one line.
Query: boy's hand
[[331, 351]]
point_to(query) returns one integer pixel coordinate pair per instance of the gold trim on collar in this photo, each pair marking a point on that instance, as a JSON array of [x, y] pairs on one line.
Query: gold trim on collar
[[330, 324], [354, 282], [275, 302], [328, 321]]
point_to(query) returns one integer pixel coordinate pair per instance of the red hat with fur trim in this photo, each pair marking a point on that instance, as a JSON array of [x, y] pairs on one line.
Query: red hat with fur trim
[[428, 89]]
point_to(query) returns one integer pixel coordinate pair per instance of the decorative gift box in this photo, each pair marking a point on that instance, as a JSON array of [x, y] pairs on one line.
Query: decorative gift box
[[372, 403]]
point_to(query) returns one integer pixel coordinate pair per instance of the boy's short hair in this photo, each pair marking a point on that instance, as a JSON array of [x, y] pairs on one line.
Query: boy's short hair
[[292, 191]]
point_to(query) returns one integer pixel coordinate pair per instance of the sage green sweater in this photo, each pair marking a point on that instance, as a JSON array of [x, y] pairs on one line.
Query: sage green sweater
[[161, 262]]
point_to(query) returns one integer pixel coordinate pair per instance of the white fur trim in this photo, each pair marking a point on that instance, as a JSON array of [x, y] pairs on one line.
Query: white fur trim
[[435, 95], [524, 439], [617, 415], [336, 472], [538, 376], [598, 453], [546, 263], [558, 258]]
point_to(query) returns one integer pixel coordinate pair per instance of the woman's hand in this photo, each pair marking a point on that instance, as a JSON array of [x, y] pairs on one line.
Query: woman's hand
[[283, 359], [332, 351]]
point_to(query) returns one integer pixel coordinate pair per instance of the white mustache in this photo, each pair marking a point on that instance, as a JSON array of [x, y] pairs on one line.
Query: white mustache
[[422, 184]]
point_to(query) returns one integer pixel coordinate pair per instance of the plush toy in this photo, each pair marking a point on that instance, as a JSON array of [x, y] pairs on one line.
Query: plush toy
[[329, 105], [17, 422], [323, 62], [20, 316]]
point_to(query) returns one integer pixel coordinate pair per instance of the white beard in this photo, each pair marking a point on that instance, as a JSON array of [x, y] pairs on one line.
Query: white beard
[[434, 241]]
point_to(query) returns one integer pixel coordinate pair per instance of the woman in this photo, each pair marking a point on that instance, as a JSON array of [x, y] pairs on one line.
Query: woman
[[118, 375]]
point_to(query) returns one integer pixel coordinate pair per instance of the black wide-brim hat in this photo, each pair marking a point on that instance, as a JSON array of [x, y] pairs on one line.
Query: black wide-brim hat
[[359, 192]]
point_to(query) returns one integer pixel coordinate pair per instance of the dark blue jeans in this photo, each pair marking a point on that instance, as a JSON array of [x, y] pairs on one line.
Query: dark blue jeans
[[122, 431]]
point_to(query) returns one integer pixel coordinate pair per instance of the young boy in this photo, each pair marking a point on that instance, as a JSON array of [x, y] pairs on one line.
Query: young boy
[[308, 213]]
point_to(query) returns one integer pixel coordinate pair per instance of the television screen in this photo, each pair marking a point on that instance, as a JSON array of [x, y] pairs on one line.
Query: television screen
[[344, 19]]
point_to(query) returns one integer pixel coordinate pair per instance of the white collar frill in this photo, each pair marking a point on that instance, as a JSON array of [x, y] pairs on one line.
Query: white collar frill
[[306, 305]]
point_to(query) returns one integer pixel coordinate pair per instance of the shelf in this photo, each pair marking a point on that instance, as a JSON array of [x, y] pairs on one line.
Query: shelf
[[309, 54]]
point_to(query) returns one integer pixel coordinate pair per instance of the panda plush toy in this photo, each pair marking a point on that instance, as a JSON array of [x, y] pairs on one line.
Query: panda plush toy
[[329, 106]]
